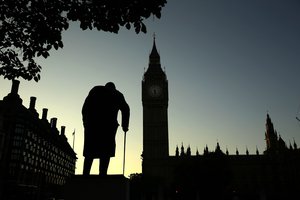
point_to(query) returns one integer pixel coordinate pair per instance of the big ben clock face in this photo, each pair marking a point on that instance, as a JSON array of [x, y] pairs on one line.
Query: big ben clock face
[[155, 91]]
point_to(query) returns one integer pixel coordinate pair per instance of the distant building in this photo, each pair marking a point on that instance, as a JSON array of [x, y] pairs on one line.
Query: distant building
[[274, 174], [35, 159]]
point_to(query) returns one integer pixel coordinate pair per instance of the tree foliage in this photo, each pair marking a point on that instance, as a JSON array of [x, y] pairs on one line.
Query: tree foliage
[[31, 28]]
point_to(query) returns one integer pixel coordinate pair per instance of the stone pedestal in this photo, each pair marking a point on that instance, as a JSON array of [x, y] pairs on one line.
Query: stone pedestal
[[95, 187]]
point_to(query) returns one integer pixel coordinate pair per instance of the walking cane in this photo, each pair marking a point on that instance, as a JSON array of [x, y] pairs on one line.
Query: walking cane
[[124, 153]]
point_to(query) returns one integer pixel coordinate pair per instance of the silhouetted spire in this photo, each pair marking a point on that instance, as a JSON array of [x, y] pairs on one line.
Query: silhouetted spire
[[182, 150], [247, 152], [154, 69], [154, 55], [177, 151], [257, 152], [281, 143], [188, 151], [218, 149], [237, 151], [290, 146], [227, 153], [270, 134], [295, 145], [205, 150], [197, 152]]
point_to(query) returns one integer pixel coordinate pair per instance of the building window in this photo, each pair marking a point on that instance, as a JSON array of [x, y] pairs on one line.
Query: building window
[[19, 129]]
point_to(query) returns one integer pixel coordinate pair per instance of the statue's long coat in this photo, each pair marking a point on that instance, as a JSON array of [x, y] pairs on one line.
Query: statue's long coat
[[99, 114]]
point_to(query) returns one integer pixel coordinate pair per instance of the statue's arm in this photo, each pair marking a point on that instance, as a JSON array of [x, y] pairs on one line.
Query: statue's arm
[[125, 110]]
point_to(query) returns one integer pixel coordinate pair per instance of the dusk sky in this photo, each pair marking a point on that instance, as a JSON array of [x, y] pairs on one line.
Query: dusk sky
[[228, 63]]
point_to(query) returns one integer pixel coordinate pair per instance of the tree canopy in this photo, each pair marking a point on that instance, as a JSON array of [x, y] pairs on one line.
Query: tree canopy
[[31, 28]]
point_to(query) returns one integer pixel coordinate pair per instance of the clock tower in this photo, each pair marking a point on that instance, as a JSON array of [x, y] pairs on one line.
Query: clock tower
[[155, 111]]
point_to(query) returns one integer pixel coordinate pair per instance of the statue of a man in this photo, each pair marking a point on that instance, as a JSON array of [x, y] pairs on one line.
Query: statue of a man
[[99, 115]]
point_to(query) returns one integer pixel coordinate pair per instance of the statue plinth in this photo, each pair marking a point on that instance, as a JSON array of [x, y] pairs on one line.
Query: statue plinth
[[95, 187]]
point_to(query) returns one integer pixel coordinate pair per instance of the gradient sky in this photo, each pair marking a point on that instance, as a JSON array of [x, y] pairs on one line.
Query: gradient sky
[[228, 63]]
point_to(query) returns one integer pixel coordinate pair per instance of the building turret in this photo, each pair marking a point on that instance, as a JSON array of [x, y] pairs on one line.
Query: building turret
[[295, 145], [177, 151], [275, 144], [281, 143], [257, 152], [270, 134], [205, 152], [197, 152], [188, 151], [154, 55], [182, 150]]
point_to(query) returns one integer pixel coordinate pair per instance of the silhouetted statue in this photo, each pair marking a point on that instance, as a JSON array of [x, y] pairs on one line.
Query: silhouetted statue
[[99, 114]]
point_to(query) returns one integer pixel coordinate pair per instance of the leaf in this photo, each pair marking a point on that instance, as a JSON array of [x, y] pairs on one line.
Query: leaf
[[128, 26], [144, 28], [55, 46], [83, 26], [49, 47], [45, 54], [60, 44], [137, 27], [36, 79]]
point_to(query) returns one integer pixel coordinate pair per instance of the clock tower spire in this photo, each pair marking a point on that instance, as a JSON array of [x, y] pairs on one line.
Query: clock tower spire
[[155, 111], [154, 57]]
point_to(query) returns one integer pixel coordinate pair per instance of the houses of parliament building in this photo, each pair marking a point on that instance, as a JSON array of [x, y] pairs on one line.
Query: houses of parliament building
[[272, 174]]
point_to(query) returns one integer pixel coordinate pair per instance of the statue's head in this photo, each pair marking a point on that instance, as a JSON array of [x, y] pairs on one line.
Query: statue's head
[[110, 85]]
